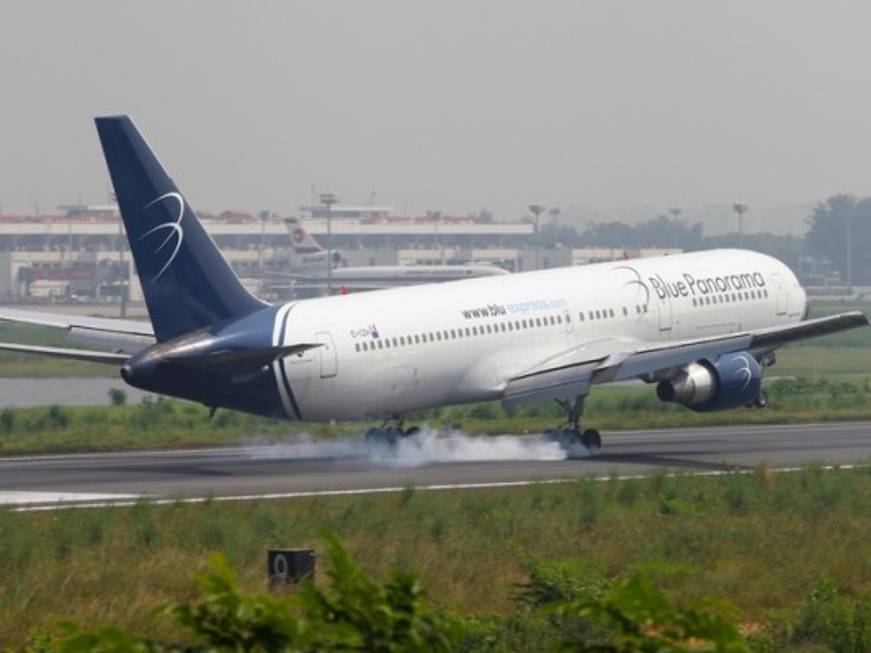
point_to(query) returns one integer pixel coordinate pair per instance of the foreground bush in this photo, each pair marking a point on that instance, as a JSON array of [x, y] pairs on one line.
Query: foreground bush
[[358, 614]]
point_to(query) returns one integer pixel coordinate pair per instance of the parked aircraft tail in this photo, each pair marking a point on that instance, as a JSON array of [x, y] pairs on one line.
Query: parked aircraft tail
[[186, 282], [301, 240]]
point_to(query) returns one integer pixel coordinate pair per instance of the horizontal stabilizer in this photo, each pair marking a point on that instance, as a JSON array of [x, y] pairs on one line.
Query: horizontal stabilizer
[[238, 361], [106, 357]]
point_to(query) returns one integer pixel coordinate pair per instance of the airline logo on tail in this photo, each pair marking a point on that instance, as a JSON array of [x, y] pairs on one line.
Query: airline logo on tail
[[302, 242], [173, 227]]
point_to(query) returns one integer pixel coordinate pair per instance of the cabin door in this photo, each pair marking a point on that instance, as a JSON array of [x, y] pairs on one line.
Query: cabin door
[[327, 354]]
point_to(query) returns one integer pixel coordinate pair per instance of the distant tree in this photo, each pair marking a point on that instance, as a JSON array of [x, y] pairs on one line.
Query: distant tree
[[828, 230], [662, 231], [788, 249]]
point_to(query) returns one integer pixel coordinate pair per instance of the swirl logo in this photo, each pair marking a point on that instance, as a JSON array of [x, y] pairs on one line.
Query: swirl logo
[[744, 372], [637, 283], [173, 230]]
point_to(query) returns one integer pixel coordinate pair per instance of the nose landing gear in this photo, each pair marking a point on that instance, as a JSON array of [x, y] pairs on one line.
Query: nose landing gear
[[574, 440]]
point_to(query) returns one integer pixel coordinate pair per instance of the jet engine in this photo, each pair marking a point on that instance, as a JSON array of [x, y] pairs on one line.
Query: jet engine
[[732, 381]]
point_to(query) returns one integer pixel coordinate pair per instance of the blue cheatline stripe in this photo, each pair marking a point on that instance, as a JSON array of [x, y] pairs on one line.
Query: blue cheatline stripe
[[287, 387]]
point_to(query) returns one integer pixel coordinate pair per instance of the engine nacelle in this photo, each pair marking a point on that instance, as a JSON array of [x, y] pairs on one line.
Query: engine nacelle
[[732, 381]]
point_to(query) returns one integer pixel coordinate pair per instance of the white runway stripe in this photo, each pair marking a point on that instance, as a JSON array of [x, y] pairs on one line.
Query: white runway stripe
[[29, 498]]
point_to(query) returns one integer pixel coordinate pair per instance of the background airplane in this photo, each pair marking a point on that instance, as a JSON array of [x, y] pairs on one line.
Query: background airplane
[[308, 265], [701, 326]]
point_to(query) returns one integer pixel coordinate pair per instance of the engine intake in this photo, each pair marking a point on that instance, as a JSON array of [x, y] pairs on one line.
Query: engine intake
[[732, 381]]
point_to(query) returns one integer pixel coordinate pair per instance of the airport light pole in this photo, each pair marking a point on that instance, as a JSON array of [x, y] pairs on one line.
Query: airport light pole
[[849, 262], [675, 212], [740, 210], [537, 210], [328, 199]]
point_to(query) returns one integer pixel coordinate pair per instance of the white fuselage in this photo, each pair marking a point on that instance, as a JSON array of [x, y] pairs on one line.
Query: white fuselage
[[393, 351]]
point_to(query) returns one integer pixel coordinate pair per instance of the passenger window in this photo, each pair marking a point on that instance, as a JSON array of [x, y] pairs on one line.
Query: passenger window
[[637, 309], [357, 346], [766, 292], [468, 332], [489, 329], [417, 340], [380, 344], [504, 327], [453, 334], [645, 308], [438, 335], [538, 321], [581, 316], [511, 326], [402, 340], [625, 311], [611, 311], [598, 315], [395, 343], [517, 325]]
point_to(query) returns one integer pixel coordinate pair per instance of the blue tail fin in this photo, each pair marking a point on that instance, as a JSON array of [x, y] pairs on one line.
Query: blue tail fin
[[187, 283]]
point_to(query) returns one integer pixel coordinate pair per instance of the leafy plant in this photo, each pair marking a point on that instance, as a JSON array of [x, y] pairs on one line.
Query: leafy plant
[[640, 619]]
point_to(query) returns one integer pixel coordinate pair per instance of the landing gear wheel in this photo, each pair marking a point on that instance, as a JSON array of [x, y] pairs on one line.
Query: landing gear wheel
[[575, 442], [591, 439], [761, 401]]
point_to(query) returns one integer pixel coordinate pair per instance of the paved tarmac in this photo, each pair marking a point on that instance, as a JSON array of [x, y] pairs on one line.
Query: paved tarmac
[[460, 462]]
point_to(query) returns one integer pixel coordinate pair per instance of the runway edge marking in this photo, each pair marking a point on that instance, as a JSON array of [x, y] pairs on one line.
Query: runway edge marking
[[126, 503]]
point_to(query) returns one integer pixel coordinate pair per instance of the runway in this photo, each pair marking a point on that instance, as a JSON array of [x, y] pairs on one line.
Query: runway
[[344, 467]]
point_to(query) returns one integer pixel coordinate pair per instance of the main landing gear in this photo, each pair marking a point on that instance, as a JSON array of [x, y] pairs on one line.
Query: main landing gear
[[570, 436], [390, 432]]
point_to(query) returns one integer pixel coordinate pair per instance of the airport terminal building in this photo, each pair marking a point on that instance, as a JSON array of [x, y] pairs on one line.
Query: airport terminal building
[[81, 254]]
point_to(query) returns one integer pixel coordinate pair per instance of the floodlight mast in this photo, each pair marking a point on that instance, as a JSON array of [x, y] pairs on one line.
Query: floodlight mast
[[328, 199], [537, 210], [740, 210]]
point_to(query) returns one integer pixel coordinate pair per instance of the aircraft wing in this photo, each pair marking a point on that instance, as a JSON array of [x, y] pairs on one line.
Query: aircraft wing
[[107, 357], [127, 336], [109, 325], [571, 373]]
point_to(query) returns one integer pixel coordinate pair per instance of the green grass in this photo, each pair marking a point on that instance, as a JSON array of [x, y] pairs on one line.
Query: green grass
[[166, 424], [823, 362], [762, 541]]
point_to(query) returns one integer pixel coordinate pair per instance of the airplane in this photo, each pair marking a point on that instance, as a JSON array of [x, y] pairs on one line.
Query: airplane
[[700, 326], [308, 268]]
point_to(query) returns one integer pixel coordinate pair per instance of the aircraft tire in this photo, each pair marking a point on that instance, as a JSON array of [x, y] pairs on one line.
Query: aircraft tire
[[591, 439]]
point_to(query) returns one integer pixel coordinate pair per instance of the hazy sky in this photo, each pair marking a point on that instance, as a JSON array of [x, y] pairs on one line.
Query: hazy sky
[[451, 105]]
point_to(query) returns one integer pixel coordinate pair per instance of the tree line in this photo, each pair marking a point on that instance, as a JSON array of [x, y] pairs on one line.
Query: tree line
[[839, 234]]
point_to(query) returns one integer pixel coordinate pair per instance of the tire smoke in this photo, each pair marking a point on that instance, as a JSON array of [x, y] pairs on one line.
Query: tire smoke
[[428, 446]]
